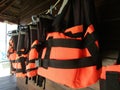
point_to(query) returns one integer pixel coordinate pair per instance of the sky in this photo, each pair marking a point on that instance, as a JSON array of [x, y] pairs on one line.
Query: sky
[[4, 28]]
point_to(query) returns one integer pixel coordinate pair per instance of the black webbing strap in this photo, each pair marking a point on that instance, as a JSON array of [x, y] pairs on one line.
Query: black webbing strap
[[21, 52], [32, 60], [69, 64], [46, 58], [26, 81], [40, 81], [93, 48], [112, 80], [34, 79], [19, 71], [90, 44], [31, 69], [102, 83], [70, 43], [22, 60]]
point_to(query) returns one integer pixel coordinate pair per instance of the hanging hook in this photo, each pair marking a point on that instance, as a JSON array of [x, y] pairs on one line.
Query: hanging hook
[[35, 19], [52, 7]]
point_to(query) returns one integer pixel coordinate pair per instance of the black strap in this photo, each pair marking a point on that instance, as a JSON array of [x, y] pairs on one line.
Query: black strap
[[22, 60], [26, 81], [21, 52], [31, 69], [20, 71], [32, 60], [47, 55], [89, 42], [112, 80], [69, 64], [70, 43], [34, 78], [40, 81], [102, 83]]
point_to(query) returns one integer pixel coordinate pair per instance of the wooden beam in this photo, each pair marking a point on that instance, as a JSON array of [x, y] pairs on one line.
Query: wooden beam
[[34, 9], [31, 6], [3, 2], [15, 8], [8, 6]]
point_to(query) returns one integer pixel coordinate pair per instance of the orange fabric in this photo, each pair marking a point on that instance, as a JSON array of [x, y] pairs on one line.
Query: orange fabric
[[74, 78], [89, 30], [35, 43], [33, 54], [96, 42]]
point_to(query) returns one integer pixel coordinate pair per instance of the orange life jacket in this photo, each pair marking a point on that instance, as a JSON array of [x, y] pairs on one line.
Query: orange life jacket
[[31, 67], [67, 57], [71, 53], [36, 41], [22, 51], [11, 53]]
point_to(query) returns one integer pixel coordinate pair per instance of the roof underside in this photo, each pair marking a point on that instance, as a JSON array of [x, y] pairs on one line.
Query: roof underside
[[20, 11]]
